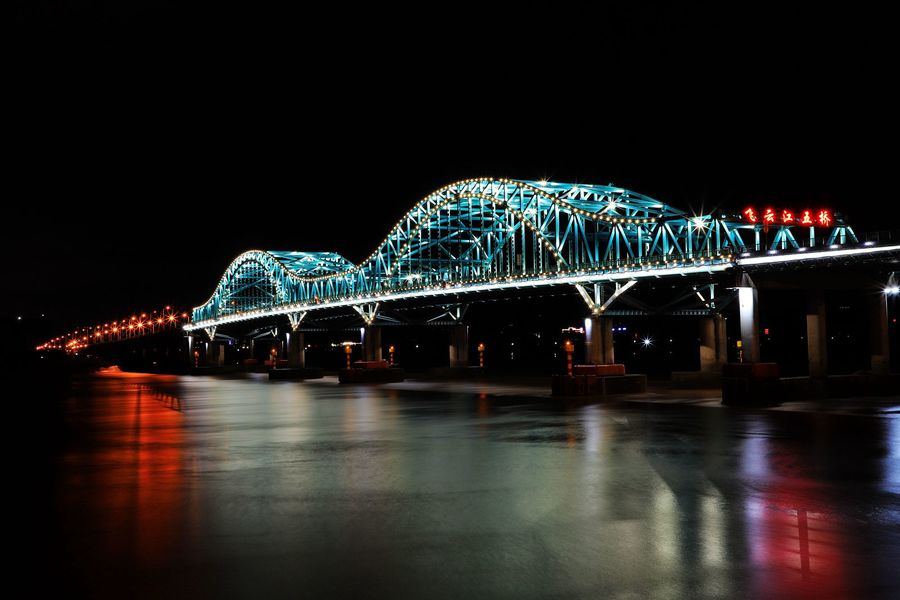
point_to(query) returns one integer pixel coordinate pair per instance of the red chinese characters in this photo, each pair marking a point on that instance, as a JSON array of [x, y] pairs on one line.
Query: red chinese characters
[[785, 216], [750, 215]]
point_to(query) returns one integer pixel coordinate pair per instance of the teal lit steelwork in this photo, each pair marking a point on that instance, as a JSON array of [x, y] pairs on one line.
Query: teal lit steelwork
[[487, 233]]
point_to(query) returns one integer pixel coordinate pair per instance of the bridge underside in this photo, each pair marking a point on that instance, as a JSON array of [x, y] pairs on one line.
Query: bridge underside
[[689, 323]]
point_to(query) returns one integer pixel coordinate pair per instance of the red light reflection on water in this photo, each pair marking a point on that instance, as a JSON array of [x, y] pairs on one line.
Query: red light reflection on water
[[129, 482], [796, 545], [797, 551], [484, 405]]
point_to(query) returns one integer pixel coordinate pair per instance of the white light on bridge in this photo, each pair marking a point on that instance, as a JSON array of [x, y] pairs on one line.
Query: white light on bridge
[[892, 290], [648, 341], [814, 255]]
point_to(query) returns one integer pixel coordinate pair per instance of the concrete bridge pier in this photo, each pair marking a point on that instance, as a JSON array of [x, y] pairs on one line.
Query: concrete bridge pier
[[296, 350], [816, 334], [459, 346], [215, 354], [371, 342], [598, 340], [748, 306], [713, 344], [879, 344]]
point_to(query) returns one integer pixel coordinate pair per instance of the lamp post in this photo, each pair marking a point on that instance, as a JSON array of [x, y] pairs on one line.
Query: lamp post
[[569, 347], [348, 350], [481, 355], [391, 355]]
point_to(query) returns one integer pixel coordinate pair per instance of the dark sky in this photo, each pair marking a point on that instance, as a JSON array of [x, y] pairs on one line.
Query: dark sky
[[146, 122]]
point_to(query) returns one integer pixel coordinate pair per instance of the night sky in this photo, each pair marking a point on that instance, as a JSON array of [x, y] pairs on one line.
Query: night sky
[[148, 121]]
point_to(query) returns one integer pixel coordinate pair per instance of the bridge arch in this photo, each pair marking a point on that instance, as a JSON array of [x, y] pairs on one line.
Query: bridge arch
[[475, 232], [254, 280], [553, 213], [491, 225]]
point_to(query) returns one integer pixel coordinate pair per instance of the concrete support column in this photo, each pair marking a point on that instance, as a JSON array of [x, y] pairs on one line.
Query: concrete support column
[[598, 340], [215, 354], [748, 302], [879, 343], [713, 344], [296, 350], [816, 335], [371, 342], [459, 346]]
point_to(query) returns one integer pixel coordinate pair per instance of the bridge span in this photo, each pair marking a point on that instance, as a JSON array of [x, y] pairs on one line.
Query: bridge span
[[494, 235]]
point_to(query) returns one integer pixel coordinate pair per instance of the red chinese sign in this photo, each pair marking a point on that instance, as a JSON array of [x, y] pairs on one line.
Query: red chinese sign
[[750, 215], [808, 218]]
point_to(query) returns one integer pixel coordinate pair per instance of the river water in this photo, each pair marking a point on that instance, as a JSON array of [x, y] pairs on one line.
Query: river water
[[167, 487]]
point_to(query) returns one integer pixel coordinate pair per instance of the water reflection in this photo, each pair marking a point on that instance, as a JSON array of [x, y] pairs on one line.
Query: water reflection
[[892, 464], [124, 495], [245, 487]]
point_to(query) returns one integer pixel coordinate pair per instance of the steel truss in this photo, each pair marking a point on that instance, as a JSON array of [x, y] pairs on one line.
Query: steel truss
[[484, 232]]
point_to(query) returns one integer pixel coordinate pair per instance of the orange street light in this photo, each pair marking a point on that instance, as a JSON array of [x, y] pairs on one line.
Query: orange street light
[[348, 350], [569, 347]]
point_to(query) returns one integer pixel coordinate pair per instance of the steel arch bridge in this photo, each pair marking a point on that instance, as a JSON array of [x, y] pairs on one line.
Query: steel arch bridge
[[485, 234]]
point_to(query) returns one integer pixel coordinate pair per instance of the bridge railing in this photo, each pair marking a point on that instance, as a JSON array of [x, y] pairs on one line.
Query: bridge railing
[[884, 236]]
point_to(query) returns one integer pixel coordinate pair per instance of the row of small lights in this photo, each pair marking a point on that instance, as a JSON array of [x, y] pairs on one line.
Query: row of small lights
[[82, 337], [605, 269], [542, 275]]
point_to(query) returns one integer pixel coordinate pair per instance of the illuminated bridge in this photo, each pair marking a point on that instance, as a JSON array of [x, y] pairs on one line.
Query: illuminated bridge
[[486, 235]]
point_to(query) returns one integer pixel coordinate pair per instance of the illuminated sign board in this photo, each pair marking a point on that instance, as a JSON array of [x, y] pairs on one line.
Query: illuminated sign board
[[785, 216]]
